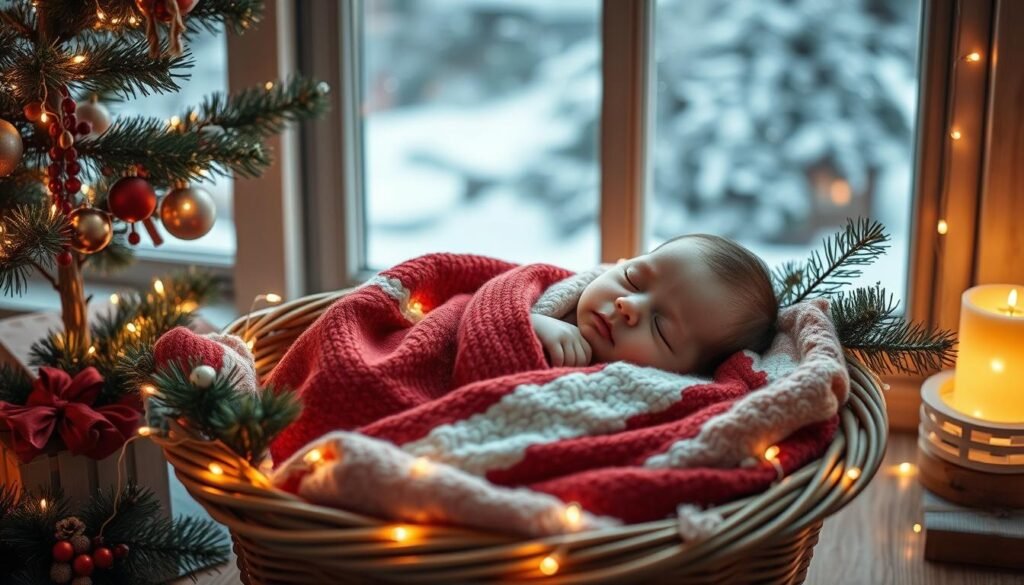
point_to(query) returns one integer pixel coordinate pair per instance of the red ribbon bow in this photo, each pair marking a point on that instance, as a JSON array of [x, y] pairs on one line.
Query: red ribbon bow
[[60, 403]]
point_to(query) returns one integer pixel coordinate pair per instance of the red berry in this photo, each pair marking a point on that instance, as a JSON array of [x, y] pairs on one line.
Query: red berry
[[82, 565], [68, 105], [55, 129], [64, 259], [74, 168], [56, 153], [63, 552], [103, 557], [70, 121], [54, 170], [71, 154], [66, 207], [134, 238], [120, 551], [84, 128], [107, 171], [73, 185], [56, 186]]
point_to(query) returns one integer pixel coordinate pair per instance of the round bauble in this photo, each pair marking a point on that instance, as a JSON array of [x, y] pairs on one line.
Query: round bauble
[[188, 213], [63, 552], [11, 148], [159, 9], [83, 565], [132, 199], [61, 573], [96, 115], [91, 230], [64, 258], [103, 558], [202, 377]]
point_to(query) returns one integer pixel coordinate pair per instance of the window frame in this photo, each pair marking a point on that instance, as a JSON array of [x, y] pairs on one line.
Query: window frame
[[940, 267]]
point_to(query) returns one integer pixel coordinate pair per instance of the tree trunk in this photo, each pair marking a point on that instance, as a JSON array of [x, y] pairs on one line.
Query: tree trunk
[[72, 304]]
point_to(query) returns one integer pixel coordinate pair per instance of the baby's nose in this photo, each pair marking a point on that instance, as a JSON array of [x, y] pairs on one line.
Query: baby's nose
[[627, 309]]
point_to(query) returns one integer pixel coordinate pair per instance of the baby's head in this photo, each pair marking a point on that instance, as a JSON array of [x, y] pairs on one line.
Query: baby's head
[[685, 306]]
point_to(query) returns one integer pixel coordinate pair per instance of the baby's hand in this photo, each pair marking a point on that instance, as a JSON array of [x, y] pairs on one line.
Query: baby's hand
[[562, 341]]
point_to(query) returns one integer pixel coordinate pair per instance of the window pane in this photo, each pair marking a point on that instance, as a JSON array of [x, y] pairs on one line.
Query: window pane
[[778, 119], [480, 129], [209, 75]]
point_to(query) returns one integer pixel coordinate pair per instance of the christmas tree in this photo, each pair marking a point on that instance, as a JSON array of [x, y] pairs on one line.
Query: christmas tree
[[78, 191]]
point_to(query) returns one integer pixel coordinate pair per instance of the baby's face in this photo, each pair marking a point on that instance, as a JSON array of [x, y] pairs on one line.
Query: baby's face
[[660, 309]]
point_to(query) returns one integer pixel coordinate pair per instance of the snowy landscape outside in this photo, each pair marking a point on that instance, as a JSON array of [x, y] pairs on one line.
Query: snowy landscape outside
[[775, 120]]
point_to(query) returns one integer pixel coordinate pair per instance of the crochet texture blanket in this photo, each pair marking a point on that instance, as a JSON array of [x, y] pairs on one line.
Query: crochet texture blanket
[[428, 399]]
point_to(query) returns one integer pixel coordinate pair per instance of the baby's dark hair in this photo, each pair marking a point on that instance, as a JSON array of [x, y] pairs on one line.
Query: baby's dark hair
[[757, 306]]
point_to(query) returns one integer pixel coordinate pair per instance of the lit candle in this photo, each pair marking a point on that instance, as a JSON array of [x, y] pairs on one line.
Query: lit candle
[[990, 358]]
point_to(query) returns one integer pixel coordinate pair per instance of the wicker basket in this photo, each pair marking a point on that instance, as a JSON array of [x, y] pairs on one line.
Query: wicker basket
[[281, 539]]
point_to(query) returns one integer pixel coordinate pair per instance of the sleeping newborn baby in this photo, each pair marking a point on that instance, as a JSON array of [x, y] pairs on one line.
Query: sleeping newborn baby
[[683, 307]]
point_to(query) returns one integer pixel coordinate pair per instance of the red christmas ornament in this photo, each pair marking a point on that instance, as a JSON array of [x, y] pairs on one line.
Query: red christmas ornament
[[120, 551], [63, 552], [103, 558], [159, 9], [132, 199], [64, 258], [83, 565], [134, 238]]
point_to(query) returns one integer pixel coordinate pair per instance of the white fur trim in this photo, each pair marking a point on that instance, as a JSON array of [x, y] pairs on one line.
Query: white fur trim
[[695, 524], [563, 296]]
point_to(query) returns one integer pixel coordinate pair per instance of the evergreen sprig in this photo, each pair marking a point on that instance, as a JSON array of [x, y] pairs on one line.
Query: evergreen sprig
[[244, 421], [82, 18], [869, 325], [30, 239], [121, 66], [15, 386], [825, 272], [258, 110]]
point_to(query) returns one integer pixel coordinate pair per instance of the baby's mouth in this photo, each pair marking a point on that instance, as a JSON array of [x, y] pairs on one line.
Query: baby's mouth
[[604, 328]]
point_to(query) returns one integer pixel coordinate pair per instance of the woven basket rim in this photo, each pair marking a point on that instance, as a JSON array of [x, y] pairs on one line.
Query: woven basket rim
[[269, 524]]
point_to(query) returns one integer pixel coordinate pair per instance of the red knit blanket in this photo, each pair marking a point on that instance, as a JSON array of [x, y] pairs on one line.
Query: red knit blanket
[[435, 364]]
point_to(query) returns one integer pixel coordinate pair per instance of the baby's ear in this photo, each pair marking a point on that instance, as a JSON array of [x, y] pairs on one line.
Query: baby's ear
[[226, 354]]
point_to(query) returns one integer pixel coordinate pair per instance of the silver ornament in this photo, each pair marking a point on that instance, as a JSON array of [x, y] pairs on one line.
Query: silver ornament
[[95, 114], [202, 377], [11, 148]]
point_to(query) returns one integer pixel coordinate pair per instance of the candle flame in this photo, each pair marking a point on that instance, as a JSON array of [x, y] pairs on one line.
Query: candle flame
[[1011, 299]]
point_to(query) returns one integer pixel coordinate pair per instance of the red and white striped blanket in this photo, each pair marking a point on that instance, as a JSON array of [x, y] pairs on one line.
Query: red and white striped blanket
[[427, 398]]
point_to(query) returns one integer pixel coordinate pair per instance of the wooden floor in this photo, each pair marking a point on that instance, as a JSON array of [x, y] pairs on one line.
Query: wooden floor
[[872, 541]]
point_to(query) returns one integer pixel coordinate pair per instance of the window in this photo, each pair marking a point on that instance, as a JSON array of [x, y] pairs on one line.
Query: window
[[208, 75], [775, 121], [480, 129]]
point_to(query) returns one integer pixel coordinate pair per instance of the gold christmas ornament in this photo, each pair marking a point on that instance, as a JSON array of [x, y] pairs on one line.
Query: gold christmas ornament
[[188, 213], [91, 230], [67, 140], [96, 114], [10, 148]]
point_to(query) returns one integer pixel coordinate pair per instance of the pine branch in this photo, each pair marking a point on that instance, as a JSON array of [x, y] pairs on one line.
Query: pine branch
[[30, 236], [243, 421], [15, 387], [825, 272], [260, 111], [124, 18], [868, 325], [22, 187], [238, 15], [118, 255], [170, 155], [122, 66]]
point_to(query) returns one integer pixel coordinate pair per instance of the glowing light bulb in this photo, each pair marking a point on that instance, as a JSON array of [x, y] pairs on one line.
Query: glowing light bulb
[[273, 298], [250, 344], [771, 452], [145, 431], [973, 57], [420, 467], [92, 350], [314, 457], [943, 227], [997, 365], [42, 504], [917, 528], [78, 59], [149, 389], [44, 118], [573, 515], [101, 16], [399, 534], [216, 469], [131, 328], [114, 299], [158, 286], [955, 135], [549, 565], [853, 473], [904, 468], [1011, 299], [268, 85]]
